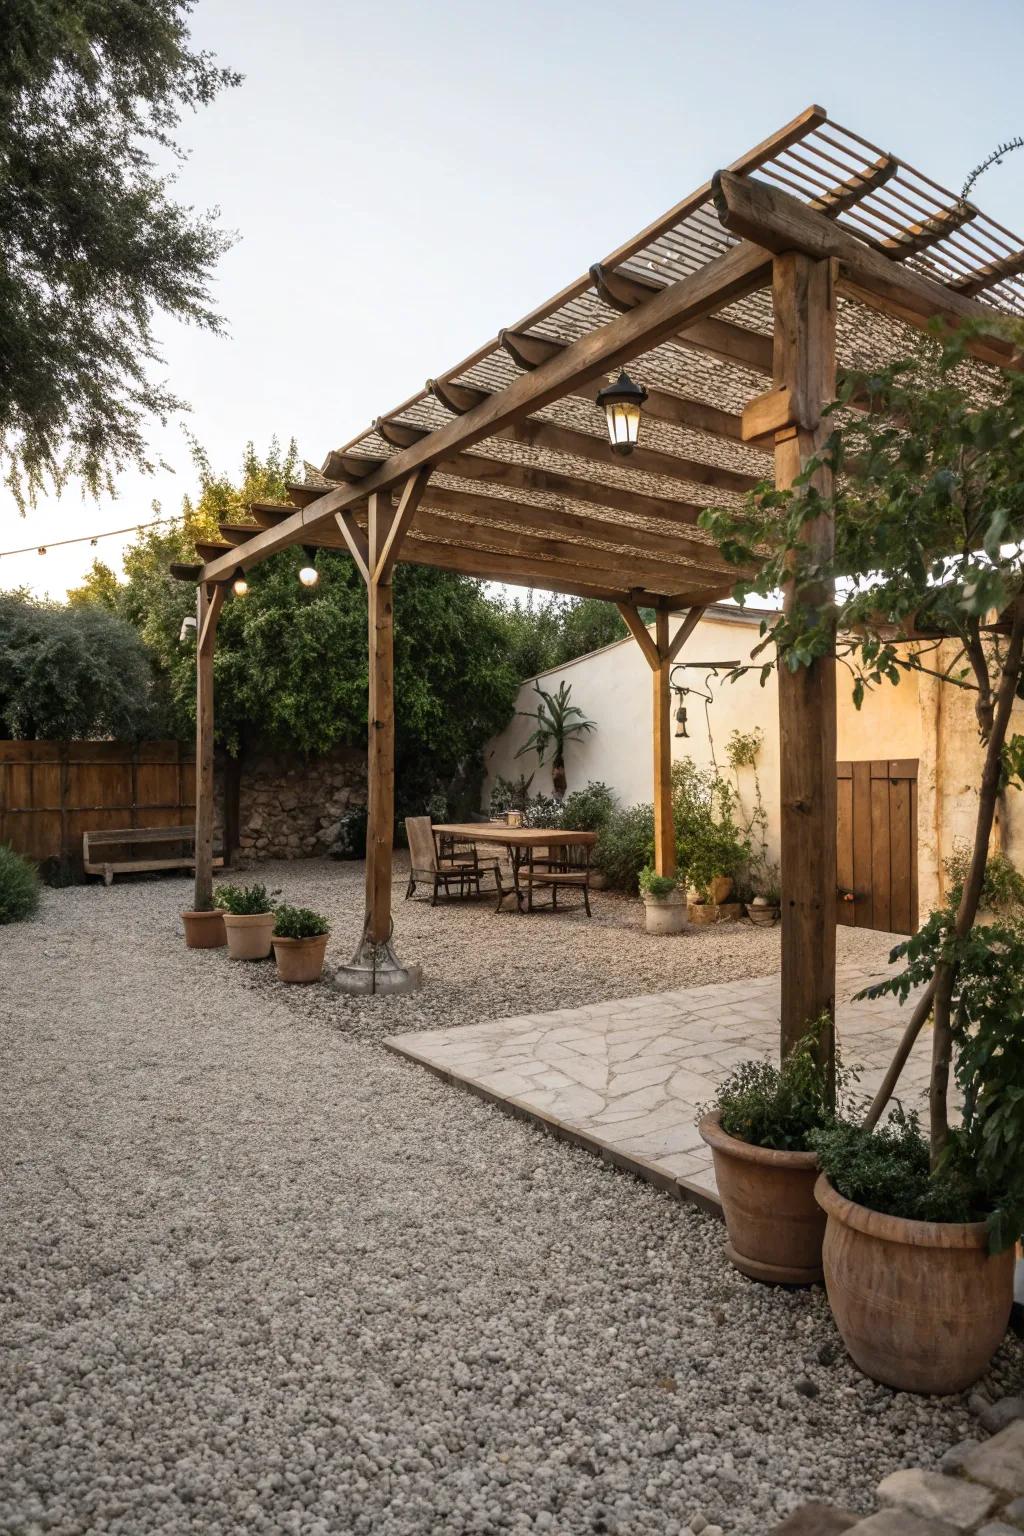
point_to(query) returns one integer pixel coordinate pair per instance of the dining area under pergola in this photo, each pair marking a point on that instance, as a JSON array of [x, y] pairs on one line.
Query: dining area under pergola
[[575, 451]]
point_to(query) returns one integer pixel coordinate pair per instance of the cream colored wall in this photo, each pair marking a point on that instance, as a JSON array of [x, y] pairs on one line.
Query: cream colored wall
[[888, 723], [613, 687]]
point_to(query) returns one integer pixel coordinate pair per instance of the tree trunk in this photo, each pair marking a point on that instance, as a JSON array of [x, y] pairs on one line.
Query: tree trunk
[[558, 778]]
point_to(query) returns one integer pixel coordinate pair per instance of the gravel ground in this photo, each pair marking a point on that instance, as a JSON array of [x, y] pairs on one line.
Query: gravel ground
[[259, 1275]]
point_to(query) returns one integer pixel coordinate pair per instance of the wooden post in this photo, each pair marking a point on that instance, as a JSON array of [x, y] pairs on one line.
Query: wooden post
[[664, 825], [803, 293], [380, 781], [659, 654], [209, 601]]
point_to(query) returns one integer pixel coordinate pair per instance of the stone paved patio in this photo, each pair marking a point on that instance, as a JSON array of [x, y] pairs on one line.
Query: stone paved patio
[[624, 1078]]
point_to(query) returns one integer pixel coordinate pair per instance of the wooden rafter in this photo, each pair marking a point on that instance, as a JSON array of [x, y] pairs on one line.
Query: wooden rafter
[[847, 194], [918, 237], [699, 294], [991, 273], [778, 222]]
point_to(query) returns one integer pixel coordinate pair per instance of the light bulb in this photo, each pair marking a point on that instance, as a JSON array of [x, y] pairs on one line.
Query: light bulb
[[309, 575]]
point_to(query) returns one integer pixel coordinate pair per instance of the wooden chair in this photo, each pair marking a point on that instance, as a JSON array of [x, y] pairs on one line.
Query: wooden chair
[[428, 865], [567, 867]]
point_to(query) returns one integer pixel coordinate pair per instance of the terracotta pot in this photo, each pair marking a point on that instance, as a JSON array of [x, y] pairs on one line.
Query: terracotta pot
[[720, 889], [762, 914], [921, 1305], [703, 913], [665, 914], [598, 880], [249, 934], [774, 1223], [301, 959], [204, 930]]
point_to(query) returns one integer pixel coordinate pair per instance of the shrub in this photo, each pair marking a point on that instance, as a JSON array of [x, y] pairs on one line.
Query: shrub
[[708, 841], [625, 846], [509, 794], [887, 1170], [299, 923], [543, 811], [19, 886], [588, 810], [1003, 887], [350, 842], [780, 1107], [658, 886], [244, 900]]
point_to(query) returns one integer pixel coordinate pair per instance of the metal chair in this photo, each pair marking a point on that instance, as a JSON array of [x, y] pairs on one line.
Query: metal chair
[[436, 869]]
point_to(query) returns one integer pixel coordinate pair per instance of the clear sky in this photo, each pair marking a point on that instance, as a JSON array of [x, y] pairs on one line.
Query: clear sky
[[408, 177]]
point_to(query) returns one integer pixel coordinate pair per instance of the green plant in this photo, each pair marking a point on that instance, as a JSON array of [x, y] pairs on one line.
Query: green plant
[[1002, 889], [244, 900], [558, 723], [299, 923], [509, 794], [781, 1107], [888, 1170], [626, 844], [543, 811], [588, 810], [350, 842], [655, 885], [708, 841], [19, 886]]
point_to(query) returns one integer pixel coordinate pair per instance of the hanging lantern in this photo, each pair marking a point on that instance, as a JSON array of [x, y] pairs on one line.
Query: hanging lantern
[[309, 575], [681, 722], [239, 585], [622, 401]]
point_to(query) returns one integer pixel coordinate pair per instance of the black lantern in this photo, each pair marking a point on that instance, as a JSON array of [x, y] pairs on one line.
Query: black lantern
[[622, 401], [309, 575], [681, 722], [239, 585]]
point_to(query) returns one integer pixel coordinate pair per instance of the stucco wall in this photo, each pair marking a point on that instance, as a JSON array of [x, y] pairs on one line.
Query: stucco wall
[[613, 687]]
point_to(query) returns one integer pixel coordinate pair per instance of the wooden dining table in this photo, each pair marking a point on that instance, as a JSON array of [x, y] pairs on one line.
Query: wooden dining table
[[522, 843]]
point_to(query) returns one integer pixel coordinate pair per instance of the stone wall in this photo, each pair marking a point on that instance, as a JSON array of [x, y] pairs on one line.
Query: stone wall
[[290, 807]]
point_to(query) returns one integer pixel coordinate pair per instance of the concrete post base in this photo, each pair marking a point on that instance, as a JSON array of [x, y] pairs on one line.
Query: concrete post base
[[376, 968]]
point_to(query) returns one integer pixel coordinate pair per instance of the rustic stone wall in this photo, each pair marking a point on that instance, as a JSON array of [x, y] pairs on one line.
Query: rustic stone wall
[[290, 807]]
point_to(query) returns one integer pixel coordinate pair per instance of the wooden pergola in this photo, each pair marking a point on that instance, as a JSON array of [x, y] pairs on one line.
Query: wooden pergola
[[813, 252]]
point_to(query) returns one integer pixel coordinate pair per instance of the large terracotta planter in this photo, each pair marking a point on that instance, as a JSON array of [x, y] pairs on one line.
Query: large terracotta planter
[[705, 913], [921, 1305], [774, 1223], [720, 889], [301, 959], [204, 930], [665, 914], [249, 934]]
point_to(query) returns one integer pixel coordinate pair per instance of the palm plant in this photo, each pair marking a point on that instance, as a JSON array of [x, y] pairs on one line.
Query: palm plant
[[558, 723]]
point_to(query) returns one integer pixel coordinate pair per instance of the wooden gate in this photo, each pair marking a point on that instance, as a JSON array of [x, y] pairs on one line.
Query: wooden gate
[[877, 844], [53, 791]]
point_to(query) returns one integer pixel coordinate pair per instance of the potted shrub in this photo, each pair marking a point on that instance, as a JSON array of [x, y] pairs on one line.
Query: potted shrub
[[760, 1127], [764, 906], [918, 1250], [204, 927], [248, 912], [300, 943], [664, 911]]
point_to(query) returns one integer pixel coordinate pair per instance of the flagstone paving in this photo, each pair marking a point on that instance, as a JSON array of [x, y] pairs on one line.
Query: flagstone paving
[[624, 1078]]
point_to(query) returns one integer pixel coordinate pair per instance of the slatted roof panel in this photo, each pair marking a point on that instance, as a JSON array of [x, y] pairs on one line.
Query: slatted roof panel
[[871, 194]]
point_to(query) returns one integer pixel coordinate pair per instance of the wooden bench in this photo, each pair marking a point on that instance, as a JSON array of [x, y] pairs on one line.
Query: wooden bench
[[109, 837]]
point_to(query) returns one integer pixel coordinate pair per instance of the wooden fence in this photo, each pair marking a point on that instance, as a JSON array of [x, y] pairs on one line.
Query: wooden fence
[[53, 791]]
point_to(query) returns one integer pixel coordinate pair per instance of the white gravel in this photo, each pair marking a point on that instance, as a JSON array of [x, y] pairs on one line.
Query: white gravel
[[259, 1275]]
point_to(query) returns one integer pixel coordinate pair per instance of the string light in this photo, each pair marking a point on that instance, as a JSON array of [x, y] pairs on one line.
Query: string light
[[86, 538]]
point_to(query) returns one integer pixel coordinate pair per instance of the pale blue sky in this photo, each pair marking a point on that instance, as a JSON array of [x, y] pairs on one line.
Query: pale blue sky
[[409, 177]]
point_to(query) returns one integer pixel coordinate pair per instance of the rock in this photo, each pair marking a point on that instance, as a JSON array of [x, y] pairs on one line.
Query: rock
[[1015, 1512], [900, 1522], [953, 1460], [930, 1495], [806, 1387], [996, 1416], [816, 1519], [999, 1462]]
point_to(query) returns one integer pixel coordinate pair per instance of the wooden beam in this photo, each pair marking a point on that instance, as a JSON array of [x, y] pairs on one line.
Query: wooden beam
[[664, 827], [641, 634], [412, 493], [693, 297], [526, 477], [767, 414], [918, 237], [209, 602], [380, 779], [719, 338], [847, 194], [804, 298], [778, 222], [552, 522], [355, 541], [989, 275], [684, 632]]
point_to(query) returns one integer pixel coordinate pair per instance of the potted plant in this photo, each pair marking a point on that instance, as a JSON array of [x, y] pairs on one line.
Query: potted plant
[[920, 1237], [204, 927], [760, 1127], [664, 911], [558, 723], [764, 906], [300, 943], [248, 912]]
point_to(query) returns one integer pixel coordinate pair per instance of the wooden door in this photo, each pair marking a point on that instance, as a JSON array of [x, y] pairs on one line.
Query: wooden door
[[877, 844]]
